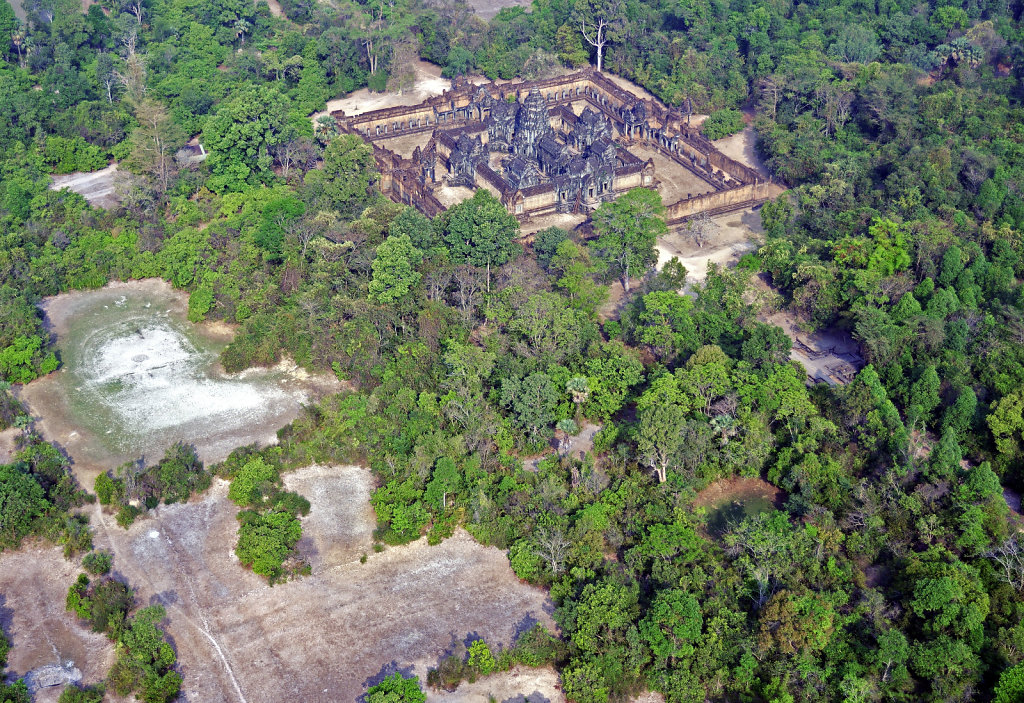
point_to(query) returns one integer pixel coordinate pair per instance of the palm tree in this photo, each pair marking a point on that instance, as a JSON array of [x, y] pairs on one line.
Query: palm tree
[[579, 388]]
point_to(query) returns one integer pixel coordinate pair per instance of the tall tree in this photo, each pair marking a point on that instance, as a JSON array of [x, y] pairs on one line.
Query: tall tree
[[346, 182], [627, 230], [239, 137], [481, 232], [598, 21], [154, 143]]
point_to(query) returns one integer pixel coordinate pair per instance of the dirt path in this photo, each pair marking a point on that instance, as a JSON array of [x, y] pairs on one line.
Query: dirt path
[[96, 187], [275, 8], [326, 636]]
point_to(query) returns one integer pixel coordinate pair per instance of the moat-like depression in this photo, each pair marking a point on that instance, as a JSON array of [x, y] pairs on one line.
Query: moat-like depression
[[137, 376]]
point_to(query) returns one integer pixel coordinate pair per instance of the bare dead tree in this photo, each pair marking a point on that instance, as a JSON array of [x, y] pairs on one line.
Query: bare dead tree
[[700, 228], [133, 75], [553, 547], [1010, 556], [597, 20], [469, 286]]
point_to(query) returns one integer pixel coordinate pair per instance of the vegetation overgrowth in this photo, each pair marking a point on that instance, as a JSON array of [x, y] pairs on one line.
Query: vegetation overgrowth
[[894, 571]]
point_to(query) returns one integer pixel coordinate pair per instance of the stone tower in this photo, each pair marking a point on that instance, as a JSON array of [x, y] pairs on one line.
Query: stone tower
[[532, 123]]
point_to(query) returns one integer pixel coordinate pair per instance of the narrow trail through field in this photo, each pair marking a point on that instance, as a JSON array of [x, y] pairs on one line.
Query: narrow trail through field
[[121, 561]]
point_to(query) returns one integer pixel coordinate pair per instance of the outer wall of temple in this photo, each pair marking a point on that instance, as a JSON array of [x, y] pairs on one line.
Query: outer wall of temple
[[527, 145]]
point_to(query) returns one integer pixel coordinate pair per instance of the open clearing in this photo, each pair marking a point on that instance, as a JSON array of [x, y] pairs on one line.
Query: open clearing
[[740, 146], [326, 636], [33, 584], [488, 9], [137, 377], [734, 234], [97, 187], [428, 84], [322, 638], [676, 181]]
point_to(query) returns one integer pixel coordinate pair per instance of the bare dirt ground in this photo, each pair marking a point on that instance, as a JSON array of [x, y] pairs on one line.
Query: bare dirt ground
[[566, 221], [738, 489], [428, 84], [829, 356], [405, 144], [7, 444], [676, 181], [579, 445], [488, 9], [59, 421], [34, 582], [329, 635], [735, 234], [452, 195], [519, 685], [741, 148], [96, 187], [629, 85], [275, 8]]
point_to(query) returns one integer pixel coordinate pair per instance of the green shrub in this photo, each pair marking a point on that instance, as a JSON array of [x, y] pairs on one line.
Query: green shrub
[[105, 487], [97, 563], [74, 154], [126, 515], [73, 694], [266, 541], [396, 689], [480, 658], [252, 481], [105, 603], [722, 123]]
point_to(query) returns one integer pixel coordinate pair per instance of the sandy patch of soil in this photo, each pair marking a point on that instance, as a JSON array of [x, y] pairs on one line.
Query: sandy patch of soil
[[629, 85], [124, 395], [738, 489], [488, 9], [829, 356], [734, 235], [275, 8], [452, 195], [740, 146], [428, 84], [34, 582], [648, 697], [519, 685], [96, 187], [406, 144], [341, 520], [8, 444], [327, 636], [566, 221]]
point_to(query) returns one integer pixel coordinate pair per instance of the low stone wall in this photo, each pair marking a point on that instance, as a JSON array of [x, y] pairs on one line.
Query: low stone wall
[[718, 203]]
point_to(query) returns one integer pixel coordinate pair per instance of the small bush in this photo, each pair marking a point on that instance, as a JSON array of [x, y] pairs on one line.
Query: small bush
[[126, 515], [73, 694], [97, 563], [105, 487], [722, 123]]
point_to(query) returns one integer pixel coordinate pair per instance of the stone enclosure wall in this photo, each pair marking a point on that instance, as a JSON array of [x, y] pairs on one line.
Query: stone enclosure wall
[[641, 121]]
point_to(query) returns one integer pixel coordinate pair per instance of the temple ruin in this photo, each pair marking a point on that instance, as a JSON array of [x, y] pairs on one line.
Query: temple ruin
[[560, 145]]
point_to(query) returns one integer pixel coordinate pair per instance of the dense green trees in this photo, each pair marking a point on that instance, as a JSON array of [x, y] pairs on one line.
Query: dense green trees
[[889, 571]]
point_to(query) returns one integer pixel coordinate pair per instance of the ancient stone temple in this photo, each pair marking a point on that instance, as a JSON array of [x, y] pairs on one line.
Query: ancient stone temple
[[560, 145]]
